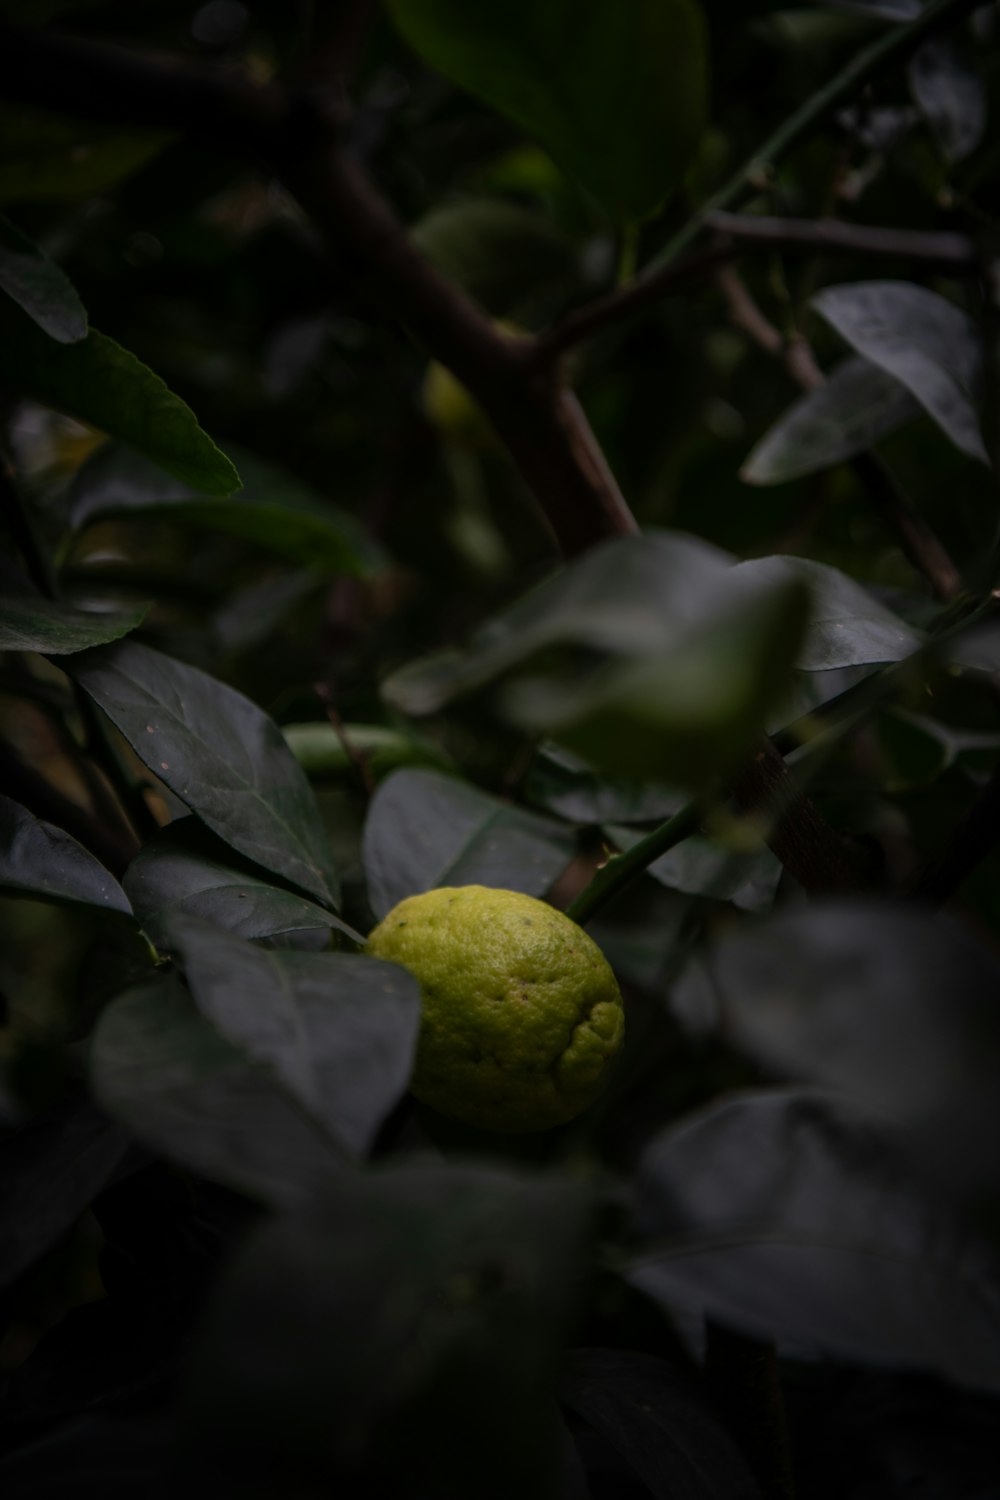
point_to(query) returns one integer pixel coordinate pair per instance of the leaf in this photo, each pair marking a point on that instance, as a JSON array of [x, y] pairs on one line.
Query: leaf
[[323, 751], [686, 714], [950, 91], [272, 510], [789, 1217], [631, 100], [830, 992], [855, 408], [847, 626], [406, 1335], [629, 594], [97, 381], [52, 1168], [164, 1071], [884, 10], [659, 1423], [499, 253], [562, 783], [339, 1032], [702, 867], [41, 859], [48, 156], [185, 870], [39, 287], [220, 754], [30, 623], [425, 830], [928, 344]]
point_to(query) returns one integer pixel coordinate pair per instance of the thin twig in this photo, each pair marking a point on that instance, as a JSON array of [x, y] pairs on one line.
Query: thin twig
[[952, 252], [621, 869]]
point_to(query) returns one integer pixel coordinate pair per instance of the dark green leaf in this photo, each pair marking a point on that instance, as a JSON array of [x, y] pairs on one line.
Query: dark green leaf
[[401, 1339], [788, 1216], [97, 381], [856, 408], [39, 287], [337, 1031], [272, 510], [41, 859], [220, 754], [562, 783], [186, 870], [44, 155], [631, 99], [323, 751], [30, 623], [499, 253], [425, 830], [162, 1068], [926, 343], [703, 867]]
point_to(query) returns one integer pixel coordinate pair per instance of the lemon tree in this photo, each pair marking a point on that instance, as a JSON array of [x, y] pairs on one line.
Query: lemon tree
[[521, 1011]]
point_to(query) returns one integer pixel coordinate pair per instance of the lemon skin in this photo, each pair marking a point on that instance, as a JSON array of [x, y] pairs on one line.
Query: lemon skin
[[522, 1014]]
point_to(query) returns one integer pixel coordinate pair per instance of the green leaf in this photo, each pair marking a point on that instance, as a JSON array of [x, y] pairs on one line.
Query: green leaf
[[47, 156], [789, 1216], [337, 1031], [856, 408], [30, 623], [562, 783], [39, 287], [97, 381], [161, 1068], [321, 751], [410, 1326], [272, 510], [616, 93], [425, 830], [702, 866], [220, 754], [185, 870], [502, 255], [41, 859], [922, 340]]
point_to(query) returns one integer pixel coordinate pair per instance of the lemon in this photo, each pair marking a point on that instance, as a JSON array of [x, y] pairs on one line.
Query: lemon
[[521, 1012]]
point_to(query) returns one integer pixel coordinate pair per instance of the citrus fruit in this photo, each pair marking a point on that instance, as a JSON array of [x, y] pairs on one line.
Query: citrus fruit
[[521, 1012]]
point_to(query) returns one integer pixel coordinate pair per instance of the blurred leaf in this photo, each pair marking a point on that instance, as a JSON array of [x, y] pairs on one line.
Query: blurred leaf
[[889, 1003], [97, 381], [163, 1069], [41, 859], [401, 1340], [704, 867], [950, 91], [272, 510], [499, 253], [928, 344], [321, 751], [789, 1217], [425, 830], [629, 146], [337, 1031], [686, 714], [31, 623], [220, 754], [562, 783], [854, 409], [185, 870], [659, 1422], [39, 287], [52, 1168], [47, 156], [917, 749], [885, 10]]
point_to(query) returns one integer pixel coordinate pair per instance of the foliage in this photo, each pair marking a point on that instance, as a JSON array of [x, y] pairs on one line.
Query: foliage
[[686, 624]]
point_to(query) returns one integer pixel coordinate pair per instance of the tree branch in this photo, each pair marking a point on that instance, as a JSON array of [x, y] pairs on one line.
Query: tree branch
[[954, 252]]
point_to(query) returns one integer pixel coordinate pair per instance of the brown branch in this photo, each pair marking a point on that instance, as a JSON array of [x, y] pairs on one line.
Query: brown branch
[[954, 252], [918, 541]]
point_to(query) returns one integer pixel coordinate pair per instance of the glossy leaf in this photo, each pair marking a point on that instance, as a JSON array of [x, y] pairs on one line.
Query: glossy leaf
[[790, 1217], [560, 782], [39, 287], [854, 409], [425, 830], [161, 1068], [951, 94], [338, 1032], [409, 1327], [701, 867], [220, 754], [185, 870], [629, 146], [31, 623], [920, 339], [97, 381], [42, 860], [273, 510]]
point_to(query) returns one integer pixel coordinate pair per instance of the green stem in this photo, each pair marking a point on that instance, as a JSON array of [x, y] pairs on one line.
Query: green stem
[[888, 48], [621, 868]]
